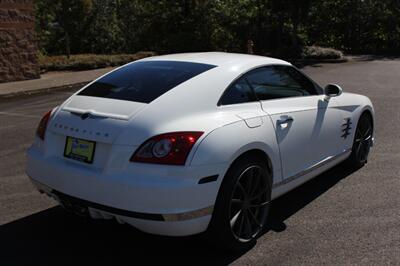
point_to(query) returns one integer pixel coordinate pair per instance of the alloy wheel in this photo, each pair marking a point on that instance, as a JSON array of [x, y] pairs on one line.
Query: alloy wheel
[[363, 139], [249, 203]]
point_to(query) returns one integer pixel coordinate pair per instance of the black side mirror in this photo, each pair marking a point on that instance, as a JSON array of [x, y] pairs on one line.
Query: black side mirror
[[333, 90]]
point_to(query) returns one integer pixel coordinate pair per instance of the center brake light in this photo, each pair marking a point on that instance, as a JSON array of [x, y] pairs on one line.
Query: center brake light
[[169, 148]]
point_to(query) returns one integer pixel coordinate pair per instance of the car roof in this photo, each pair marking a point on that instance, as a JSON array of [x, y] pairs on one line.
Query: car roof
[[220, 59]]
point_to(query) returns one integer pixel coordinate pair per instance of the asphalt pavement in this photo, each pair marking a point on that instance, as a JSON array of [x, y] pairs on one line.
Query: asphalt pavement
[[342, 217]]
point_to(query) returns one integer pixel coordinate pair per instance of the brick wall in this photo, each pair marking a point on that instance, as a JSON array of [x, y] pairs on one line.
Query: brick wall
[[18, 49]]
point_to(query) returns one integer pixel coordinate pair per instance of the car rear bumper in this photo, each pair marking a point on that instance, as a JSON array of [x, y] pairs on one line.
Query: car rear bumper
[[171, 202]]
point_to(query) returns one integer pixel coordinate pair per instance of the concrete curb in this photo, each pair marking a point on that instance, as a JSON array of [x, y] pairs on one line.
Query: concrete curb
[[52, 81], [42, 91], [306, 62]]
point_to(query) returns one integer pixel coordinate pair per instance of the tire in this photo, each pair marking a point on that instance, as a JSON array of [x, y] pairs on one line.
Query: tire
[[362, 142], [237, 219]]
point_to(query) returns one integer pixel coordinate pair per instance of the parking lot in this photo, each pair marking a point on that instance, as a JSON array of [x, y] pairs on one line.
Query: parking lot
[[341, 217]]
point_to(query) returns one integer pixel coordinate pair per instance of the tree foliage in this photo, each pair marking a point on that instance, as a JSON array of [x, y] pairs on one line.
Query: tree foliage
[[280, 27]]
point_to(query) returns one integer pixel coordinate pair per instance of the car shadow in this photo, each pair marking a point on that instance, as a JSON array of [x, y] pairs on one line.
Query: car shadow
[[54, 236], [290, 203]]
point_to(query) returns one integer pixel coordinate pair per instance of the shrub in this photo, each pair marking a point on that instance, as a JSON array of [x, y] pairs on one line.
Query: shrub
[[87, 61], [316, 52]]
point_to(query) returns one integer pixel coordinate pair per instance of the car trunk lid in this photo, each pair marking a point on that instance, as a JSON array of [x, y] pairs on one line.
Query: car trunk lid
[[93, 118], [104, 107]]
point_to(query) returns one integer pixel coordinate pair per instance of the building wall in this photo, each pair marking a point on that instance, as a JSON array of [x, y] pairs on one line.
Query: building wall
[[18, 48]]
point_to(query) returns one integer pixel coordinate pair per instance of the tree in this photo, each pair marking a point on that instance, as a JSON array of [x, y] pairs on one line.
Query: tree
[[277, 27], [65, 20]]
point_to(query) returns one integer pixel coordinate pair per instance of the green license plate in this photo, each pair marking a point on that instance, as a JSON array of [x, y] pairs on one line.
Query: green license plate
[[80, 149]]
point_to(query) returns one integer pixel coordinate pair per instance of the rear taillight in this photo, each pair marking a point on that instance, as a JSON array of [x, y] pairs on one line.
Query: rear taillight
[[41, 129], [170, 148]]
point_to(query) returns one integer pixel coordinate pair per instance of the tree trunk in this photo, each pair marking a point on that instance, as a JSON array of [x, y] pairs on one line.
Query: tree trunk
[[67, 45], [295, 20], [295, 32]]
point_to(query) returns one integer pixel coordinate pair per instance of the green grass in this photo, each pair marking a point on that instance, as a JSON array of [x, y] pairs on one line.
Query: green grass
[[87, 61]]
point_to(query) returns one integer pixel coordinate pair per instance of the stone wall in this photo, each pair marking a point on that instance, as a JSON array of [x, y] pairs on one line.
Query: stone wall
[[18, 48]]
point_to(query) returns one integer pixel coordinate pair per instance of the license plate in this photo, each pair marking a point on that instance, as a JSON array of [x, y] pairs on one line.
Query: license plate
[[80, 149]]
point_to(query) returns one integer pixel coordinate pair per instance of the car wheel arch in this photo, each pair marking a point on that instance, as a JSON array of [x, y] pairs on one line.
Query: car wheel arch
[[365, 111], [368, 112], [258, 153]]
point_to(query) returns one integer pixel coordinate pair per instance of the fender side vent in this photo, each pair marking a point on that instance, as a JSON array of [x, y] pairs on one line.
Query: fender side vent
[[346, 128], [208, 179]]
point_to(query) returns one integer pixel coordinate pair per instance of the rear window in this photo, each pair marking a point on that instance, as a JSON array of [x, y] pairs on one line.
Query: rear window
[[144, 81]]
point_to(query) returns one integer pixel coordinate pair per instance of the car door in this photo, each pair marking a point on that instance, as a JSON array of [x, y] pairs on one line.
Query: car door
[[240, 102], [307, 129]]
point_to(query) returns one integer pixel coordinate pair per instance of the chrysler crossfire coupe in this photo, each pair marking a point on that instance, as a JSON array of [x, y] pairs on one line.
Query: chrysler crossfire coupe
[[200, 142]]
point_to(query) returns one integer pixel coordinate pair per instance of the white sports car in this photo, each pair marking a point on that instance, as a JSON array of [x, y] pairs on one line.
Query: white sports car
[[187, 143]]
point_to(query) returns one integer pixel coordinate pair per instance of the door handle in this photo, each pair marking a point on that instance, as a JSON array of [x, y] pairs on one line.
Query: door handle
[[285, 120]]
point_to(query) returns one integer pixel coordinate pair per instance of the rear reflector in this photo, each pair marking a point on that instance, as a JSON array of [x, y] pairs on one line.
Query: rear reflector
[[41, 129]]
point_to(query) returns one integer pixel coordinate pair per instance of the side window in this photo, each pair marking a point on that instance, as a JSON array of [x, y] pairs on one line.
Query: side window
[[305, 83], [238, 92], [276, 82]]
